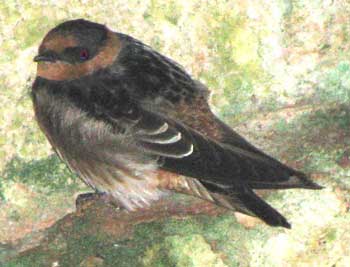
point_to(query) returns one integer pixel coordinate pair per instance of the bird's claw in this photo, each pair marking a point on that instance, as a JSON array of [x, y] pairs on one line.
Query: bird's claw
[[86, 199]]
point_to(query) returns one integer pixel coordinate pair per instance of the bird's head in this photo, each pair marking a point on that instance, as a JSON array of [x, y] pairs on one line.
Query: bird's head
[[75, 49]]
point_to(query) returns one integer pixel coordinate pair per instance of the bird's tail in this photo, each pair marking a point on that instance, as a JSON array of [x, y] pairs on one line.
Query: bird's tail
[[249, 203], [246, 201], [242, 198]]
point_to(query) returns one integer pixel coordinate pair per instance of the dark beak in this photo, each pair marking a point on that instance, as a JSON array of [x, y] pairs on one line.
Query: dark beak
[[46, 56], [40, 58]]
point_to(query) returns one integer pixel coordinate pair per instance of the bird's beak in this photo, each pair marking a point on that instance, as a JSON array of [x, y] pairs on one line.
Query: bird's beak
[[46, 56], [40, 58]]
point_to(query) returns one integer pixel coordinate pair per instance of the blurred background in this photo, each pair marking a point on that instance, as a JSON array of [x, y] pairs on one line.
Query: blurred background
[[279, 71]]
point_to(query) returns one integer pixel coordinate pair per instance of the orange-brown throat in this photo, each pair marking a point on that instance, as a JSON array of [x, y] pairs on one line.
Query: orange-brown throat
[[60, 71]]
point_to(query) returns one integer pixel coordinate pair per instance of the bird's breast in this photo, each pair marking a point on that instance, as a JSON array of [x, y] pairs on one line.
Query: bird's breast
[[105, 160]]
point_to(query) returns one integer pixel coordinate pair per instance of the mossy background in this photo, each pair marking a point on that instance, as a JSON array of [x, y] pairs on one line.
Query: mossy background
[[280, 73]]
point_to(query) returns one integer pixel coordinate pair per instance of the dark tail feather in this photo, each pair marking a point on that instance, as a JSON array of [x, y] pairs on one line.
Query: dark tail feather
[[244, 200], [249, 201]]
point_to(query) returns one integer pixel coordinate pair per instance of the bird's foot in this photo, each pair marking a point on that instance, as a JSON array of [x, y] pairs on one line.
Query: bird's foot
[[86, 199]]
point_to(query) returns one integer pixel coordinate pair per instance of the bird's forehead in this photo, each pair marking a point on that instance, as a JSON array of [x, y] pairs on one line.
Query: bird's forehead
[[58, 42]]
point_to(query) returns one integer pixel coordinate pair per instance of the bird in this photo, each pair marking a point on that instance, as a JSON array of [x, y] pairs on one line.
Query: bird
[[133, 124]]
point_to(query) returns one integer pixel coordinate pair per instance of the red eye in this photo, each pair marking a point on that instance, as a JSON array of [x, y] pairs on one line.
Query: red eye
[[84, 54]]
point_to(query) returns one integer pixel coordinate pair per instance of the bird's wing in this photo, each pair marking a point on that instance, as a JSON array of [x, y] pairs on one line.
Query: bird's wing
[[198, 116], [185, 151], [224, 170]]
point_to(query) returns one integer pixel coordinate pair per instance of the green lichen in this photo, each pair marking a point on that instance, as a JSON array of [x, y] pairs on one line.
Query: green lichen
[[191, 251], [38, 172], [335, 86]]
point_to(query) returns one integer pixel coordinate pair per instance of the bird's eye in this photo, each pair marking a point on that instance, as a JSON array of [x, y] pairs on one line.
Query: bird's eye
[[84, 54]]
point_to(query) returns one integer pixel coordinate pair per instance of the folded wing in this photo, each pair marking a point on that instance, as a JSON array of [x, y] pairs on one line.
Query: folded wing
[[222, 169]]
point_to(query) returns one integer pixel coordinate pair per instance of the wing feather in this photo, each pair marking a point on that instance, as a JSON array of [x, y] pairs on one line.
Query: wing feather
[[185, 151]]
